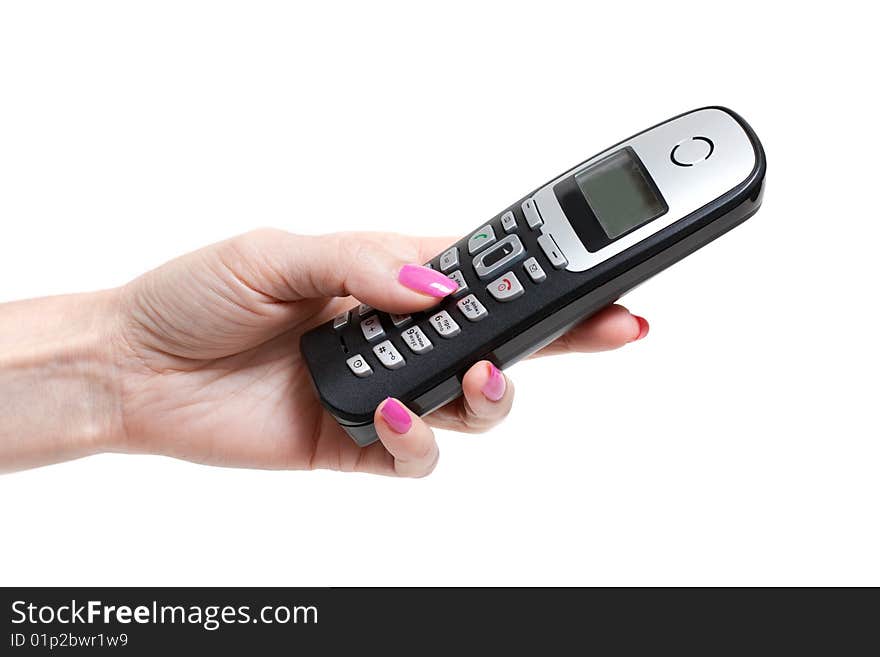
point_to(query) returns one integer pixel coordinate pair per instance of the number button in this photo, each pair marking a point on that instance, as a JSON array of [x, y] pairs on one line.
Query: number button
[[372, 328], [482, 238], [534, 270], [445, 325], [416, 340], [341, 320], [458, 277], [359, 366], [506, 287], [471, 308], [363, 309], [400, 320], [389, 356]]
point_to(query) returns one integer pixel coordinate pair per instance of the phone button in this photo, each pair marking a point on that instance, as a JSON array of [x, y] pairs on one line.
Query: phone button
[[341, 320], [359, 366], [400, 320], [506, 287], [416, 340], [389, 356], [449, 259], [458, 277], [444, 324], [530, 210], [481, 239], [534, 270], [552, 251], [471, 308], [372, 328], [508, 222]]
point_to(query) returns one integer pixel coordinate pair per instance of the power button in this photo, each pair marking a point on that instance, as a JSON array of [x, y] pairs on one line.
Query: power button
[[691, 151]]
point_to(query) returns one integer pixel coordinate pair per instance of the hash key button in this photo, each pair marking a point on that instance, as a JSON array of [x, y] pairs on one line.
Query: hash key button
[[445, 325], [471, 308], [389, 356], [359, 366]]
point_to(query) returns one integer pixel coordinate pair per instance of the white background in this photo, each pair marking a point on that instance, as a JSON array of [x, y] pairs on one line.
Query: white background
[[737, 444]]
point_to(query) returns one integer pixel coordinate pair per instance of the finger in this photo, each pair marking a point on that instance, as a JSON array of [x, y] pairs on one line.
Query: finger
[[487, 397], [610, 328], [407, 438], [381, 270]]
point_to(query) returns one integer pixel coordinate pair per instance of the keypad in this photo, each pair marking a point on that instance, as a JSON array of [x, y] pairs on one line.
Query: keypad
[[471, 308], [444, 324], [359, 366], [372, 328], [491, 255], [416, 340], [388, 355]]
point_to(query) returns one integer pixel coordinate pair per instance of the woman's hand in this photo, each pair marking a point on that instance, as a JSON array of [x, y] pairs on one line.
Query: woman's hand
[[199, 359], [208, 353]]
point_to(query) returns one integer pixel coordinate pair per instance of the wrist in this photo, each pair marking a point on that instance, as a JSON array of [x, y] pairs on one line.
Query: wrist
[[60, 394]]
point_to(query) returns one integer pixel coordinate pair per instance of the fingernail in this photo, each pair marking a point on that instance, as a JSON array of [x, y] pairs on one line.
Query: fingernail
[[396, 416], [643, 327], [427, 281], [495, 386]]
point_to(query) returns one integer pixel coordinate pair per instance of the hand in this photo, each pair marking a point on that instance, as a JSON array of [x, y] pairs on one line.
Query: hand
[[207, 352]]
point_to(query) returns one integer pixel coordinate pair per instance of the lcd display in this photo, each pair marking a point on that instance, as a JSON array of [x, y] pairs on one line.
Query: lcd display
[[620, 193]]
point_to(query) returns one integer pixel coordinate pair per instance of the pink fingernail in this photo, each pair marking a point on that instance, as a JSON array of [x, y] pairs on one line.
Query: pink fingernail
[[495, 387], [396, 416], [643, 327], [427, 281]]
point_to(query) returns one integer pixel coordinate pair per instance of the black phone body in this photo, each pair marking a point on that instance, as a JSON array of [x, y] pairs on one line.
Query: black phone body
[[553, 258]]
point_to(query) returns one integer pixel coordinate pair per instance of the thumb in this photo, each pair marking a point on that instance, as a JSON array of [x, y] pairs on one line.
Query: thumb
[[381, 270]]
